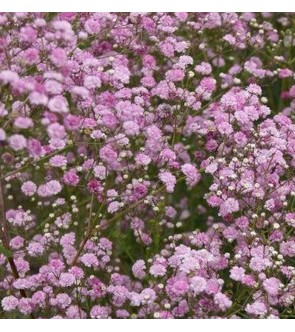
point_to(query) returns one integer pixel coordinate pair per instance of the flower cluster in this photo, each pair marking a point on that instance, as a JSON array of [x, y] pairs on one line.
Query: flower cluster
[[147, 165]]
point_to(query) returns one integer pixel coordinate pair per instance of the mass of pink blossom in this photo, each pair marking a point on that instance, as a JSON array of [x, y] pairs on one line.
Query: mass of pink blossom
[[147, 165]]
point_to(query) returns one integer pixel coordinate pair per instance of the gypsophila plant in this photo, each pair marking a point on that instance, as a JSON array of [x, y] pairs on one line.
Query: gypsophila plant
[[147, 165]]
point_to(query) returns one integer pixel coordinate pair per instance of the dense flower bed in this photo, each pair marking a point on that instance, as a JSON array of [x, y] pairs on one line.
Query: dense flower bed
[[147, 165]]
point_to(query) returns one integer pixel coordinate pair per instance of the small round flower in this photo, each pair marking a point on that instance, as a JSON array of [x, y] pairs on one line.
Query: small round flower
[[99, 312], [92, 82], [113, 207], [157, 270], [71, 178], [89, 260], [25, 306], [272, 286], [2, 135], [100, 172], [191, 174], [17, 142], [198, 284], [63, 300], [222, 301], [257, 308], [142, 159], [58, 161], [107, 154], [138, 269], [67, 279], [9, 303], [35, 249], [53, 187], [29, 188], [16, 242], [177, 286], [237, 273], [169, 180], [229, 206]]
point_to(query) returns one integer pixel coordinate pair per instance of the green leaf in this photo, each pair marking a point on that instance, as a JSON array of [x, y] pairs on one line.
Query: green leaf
[[50, 16], [7, 253]]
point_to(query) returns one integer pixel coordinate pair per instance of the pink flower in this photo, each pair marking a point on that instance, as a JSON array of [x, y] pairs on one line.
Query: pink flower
[[237, 273], [58, 104], [17, 142], [259, 264], [2, 135], [229, 206], [174, 75], [67, 279], [272, 286], [99, 312], [222, 301], [58, 161], [53, 187], [113, 207], [138, 269], [131, 128], [71, 178], [169, 181], [63, 300], [107, 154], [89, 260], [177, 286], [198, 285], [55, 88], [203, 68], [58, 57], [92, 82], [142, 159], [29, 188], [191, 173], [257, 308], [157, 270], [9, 303]]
